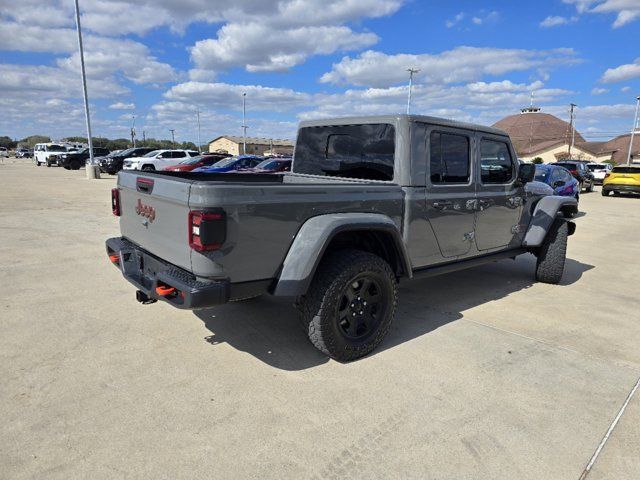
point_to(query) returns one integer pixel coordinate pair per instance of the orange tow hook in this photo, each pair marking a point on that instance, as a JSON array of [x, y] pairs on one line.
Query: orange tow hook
[[115, 258], [165, 290]]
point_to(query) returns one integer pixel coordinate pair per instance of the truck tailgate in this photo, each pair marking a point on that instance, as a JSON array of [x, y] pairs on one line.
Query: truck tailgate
[[154, 214]]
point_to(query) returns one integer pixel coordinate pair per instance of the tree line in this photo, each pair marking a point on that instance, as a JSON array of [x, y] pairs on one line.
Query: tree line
[[110, 144]]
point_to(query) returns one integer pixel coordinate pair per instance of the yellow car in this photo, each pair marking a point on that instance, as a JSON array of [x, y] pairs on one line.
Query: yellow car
[[622, 179]]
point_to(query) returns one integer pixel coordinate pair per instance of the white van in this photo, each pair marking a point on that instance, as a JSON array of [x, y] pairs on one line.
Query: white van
[[42, 151]]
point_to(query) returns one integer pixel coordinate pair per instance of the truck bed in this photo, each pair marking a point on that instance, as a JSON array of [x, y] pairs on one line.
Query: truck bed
[[263, 215]]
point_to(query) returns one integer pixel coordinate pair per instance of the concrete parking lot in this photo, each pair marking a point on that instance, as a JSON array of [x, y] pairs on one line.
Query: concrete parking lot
[[485, 374]]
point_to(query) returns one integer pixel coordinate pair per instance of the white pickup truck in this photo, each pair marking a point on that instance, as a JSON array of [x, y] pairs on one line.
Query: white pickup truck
[[158, 160]]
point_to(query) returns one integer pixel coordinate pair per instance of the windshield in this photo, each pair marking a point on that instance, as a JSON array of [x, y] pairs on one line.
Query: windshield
[[56, 148], [191, 161], [226, 162], [596, 167], [542, 175], [568, 166], [152, 154], [268, 164], [121, 154]]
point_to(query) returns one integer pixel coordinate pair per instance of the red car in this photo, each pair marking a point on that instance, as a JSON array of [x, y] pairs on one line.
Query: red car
[[270, 165], [196, 162]]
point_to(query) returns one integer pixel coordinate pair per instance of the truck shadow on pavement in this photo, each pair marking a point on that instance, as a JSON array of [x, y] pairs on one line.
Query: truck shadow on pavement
[[268, 328]]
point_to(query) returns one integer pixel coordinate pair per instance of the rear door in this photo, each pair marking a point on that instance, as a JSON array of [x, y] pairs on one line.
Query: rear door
[[154, 214], [500, 196], [450, 192]]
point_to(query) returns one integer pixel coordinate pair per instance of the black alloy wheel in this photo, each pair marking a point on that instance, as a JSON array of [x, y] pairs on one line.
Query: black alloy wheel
[[361, 307]]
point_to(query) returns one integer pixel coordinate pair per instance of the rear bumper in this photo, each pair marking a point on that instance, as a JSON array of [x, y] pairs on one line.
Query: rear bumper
[[154, 277], [610, 187]]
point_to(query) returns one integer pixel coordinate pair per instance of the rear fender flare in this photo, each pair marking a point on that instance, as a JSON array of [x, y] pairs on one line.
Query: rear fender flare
[[316, 234], [545, 213]]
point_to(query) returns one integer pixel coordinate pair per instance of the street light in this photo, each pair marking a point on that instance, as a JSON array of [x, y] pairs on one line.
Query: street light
[[573, 128], [411, 72], [633, 130], [133, 131], [199, 141], [244, 123], [92, 171]]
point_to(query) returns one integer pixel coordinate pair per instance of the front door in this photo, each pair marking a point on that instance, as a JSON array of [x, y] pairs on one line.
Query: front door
[[450, 202], [500, 195]]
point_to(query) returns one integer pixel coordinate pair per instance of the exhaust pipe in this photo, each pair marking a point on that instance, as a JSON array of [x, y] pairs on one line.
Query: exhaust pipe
[[144, 299]]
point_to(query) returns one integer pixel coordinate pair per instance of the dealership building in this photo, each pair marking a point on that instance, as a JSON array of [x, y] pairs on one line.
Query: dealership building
[[540, 135], [255, 146]]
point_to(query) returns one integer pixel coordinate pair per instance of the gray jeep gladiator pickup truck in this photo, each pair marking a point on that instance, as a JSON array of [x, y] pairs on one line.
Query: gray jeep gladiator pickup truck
[[369, 201]]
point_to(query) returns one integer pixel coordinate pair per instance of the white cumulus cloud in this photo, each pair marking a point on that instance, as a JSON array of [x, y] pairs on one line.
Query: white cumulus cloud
[[622, 73], [626, 11], [462, 64]]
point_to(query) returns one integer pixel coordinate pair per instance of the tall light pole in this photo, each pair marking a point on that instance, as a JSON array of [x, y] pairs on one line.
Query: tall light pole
[[199, 142], [133, 131], [411, 72], [244, 123], [173, 137], [633, 130], [91, 171], [573, 129]]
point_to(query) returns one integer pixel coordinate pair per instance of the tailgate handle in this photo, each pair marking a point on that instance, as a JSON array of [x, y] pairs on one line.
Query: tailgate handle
[[144, 185]]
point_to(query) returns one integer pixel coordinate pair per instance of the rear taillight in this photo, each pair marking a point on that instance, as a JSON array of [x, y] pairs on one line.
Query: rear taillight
[[115, 201], [207, 230]]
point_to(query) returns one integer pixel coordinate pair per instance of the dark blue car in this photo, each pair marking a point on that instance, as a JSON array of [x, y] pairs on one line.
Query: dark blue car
[[558, 178], [232, 164]]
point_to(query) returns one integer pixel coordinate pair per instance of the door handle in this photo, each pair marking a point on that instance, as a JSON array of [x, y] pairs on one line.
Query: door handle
[[442, 204]]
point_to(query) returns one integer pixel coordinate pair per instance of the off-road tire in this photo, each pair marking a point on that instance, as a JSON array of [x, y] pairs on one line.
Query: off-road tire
[[75, 165], [552, 253], [148, 168], [319, 307]]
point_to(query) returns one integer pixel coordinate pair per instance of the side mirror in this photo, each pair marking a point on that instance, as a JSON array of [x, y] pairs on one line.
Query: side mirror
[[526, 172]]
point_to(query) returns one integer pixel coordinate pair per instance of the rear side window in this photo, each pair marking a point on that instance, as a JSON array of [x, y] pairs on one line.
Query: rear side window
[[448, 158], [352, 151], [496, 165]]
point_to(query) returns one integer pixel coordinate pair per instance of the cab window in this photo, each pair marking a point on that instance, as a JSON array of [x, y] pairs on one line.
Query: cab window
[[496, 165], [352, 151]]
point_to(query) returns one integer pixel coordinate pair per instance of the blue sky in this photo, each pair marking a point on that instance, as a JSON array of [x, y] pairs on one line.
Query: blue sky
[[298, 59]]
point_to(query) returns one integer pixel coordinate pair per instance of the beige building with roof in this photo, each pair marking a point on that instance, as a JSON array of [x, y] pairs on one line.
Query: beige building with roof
[[255, 146], [539, 135]]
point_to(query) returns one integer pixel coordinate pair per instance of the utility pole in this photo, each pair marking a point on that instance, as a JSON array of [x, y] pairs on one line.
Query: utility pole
[[144, 136], [244, 123], [633, 131], [573, 129], [411, 72], [199, 142], [92, 172], [173, 137], [133, 131]]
